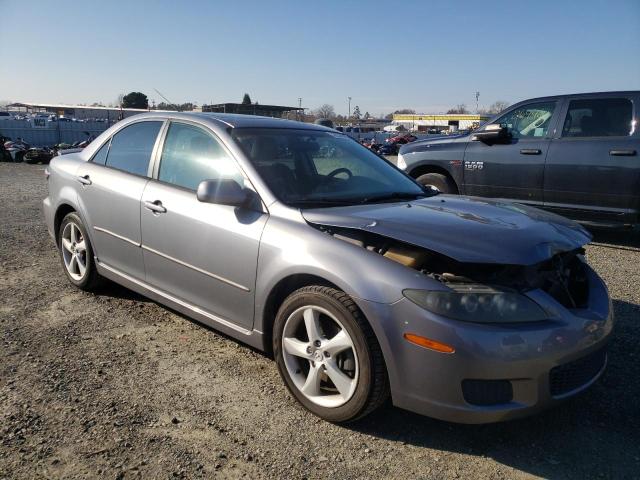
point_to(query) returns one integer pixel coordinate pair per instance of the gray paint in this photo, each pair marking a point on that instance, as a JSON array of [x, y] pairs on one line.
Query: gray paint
[[218, 264]]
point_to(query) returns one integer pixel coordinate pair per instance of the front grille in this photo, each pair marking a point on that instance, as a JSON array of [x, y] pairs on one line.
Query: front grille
[[487, 392], [570, 376]]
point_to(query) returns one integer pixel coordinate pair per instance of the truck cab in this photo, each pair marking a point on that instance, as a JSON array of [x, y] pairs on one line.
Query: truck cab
[[576, 155]]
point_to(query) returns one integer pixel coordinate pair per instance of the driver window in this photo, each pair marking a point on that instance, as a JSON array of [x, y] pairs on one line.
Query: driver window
[[191, 155], [529, 121]]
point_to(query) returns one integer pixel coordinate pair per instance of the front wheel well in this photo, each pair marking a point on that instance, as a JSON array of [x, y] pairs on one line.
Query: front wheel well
[[279, 292], [424, 169], [62, 211]]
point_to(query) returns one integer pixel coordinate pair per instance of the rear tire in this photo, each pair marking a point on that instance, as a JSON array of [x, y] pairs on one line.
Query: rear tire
[[441, 182], [76, 254], [361, 384]]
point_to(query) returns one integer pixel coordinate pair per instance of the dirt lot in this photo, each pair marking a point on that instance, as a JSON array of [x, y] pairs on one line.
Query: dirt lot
[[115, 386]]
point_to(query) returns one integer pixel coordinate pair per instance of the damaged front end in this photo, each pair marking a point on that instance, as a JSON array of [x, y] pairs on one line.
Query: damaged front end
[[485, 292]]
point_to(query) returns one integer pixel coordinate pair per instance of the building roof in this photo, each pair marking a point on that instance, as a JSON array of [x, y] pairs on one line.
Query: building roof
[[66, 106], [250, 106]]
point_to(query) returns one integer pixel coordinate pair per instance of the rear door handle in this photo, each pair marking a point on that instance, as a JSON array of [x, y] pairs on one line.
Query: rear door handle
[[155, 206], [622, 153], [530, 151], [84, 179]]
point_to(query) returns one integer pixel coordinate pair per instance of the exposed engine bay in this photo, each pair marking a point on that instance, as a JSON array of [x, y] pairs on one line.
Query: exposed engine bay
[[562, 276]]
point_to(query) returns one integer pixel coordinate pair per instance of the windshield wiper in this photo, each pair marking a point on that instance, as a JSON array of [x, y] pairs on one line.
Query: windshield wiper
[[393, 196], [323, 201]]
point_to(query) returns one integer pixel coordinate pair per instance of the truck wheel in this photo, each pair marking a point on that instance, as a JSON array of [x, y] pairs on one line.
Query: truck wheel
[[438, 181], [328, 356]]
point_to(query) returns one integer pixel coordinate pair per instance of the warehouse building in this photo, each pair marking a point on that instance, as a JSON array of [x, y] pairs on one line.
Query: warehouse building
[[442, 122], [79, 112], [277, 111]]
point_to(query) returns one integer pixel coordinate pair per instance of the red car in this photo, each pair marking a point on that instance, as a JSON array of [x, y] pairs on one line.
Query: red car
[[402, 139]]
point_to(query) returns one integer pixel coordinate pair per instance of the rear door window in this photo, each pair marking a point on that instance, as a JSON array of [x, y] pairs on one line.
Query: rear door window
[[598, 117], [131, 147]]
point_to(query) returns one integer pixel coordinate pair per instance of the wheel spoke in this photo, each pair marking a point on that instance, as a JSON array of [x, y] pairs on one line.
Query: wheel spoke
[[338, 343], [81, 265], [311, 386], [81, 246], [341, 381], [73, 265], [73, 233], [296, 347], [312, 324], [66, 244]]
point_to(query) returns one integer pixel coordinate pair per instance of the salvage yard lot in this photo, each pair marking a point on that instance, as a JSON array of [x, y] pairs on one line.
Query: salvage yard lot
[[115, 385]]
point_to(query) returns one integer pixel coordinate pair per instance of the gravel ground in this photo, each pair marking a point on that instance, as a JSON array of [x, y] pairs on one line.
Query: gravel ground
[[113, 385]]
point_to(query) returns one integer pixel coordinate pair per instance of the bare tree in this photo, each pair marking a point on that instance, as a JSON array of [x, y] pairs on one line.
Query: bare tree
[[326, 111], [461, 108], [498, 106], [119, 100]]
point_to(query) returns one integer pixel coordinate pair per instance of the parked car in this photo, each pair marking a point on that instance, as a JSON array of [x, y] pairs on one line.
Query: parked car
[[572, 154], [402, 139], [39, 155], [361, 282]]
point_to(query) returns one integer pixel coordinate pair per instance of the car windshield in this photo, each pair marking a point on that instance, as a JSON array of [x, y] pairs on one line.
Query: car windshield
[[306, 168]]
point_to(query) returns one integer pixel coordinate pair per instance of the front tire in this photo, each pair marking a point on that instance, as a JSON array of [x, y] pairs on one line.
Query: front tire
[[441, 182], [328, 355], [76, 254]]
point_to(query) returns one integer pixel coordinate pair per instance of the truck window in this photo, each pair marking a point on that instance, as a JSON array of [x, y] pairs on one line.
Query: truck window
[[529, 121], [598, 117]]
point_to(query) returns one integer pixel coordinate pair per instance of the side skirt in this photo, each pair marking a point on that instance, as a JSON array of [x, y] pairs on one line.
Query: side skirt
[[254, 338]]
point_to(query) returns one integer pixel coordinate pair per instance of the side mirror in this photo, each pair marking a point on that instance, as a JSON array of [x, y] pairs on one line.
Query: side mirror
[[223, 191], [493, 133]]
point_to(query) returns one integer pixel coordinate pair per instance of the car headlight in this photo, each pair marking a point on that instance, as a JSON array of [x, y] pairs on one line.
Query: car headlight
[[402, 165], [478, 303]]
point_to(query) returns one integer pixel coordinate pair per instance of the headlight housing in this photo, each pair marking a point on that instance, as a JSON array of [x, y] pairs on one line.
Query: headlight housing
[[478, 303], [402, 165]]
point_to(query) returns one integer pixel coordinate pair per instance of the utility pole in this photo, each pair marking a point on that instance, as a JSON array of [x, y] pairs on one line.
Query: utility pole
[[477, 97], [299, 107], [349, 112]]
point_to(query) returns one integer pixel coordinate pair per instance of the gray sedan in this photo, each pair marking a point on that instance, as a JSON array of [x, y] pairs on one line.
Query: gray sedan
[[298, 241]]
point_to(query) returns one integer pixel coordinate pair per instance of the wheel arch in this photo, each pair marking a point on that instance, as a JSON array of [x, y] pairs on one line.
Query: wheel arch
[[280, 291], [62, 211], [424, 169]]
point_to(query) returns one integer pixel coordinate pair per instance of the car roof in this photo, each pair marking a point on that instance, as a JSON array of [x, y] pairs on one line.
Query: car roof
[[586, 94], [234, 120]]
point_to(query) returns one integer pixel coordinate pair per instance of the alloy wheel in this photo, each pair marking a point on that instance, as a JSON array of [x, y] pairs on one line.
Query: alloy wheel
[[320, 356], [74, 251]]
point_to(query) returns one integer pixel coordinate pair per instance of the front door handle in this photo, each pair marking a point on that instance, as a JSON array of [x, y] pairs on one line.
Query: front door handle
[[530, 151], [622, 153], [84, 179], [155, 206]]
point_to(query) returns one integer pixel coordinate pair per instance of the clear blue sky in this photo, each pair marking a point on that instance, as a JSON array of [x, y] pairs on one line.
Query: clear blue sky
[[386, 55]]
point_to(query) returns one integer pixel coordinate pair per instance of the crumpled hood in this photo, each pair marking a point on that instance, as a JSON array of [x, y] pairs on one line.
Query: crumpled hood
[[467, 229]]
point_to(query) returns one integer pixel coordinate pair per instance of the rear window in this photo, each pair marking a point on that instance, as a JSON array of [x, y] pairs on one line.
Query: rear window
[[598, 117], [131, 147]]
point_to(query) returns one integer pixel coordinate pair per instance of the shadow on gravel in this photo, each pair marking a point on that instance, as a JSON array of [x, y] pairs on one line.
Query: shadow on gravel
[[596, 434]]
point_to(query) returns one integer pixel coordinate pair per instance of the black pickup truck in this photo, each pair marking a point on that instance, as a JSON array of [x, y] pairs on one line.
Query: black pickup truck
[[576, 155]]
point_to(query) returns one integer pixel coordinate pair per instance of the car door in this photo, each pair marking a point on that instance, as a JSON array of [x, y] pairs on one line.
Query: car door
[[514, 170], [112, 185], [593, 169], [203, 254]]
